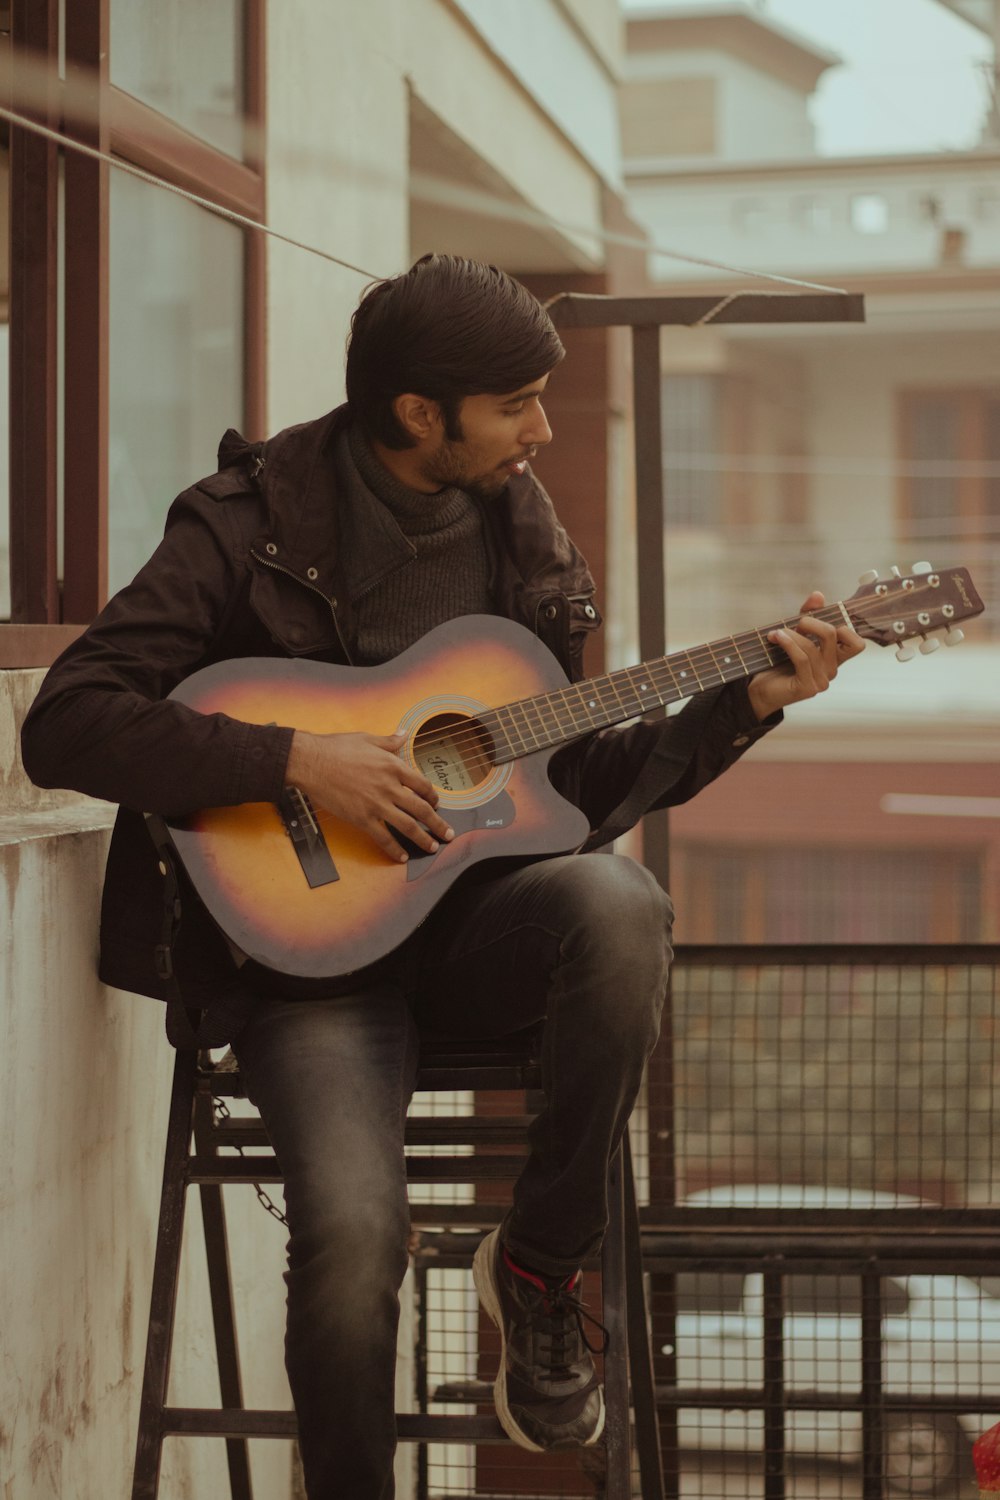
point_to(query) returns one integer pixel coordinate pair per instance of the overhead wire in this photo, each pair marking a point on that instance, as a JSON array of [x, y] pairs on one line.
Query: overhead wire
[[426, 188]]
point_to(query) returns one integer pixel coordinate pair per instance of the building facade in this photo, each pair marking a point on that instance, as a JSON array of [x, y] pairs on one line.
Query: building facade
[[800, 457]]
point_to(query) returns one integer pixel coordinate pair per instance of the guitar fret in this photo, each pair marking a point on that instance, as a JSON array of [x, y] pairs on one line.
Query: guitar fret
[[739, 653], [503, 753], [562, 707], [542, 738], [601, 713], [646, 687], [559, 716], [614, 688], [527, 730], [683, 676], [586, 705], [713, 666], [665, 679]]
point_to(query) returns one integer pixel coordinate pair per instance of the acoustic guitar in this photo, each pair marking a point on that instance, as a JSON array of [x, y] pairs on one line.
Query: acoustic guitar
[[483, 705]]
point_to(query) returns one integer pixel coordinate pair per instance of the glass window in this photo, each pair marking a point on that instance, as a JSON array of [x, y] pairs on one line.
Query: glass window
[[709, 1291], [812, 213], [933, 432], [176, 361], [869, 213], [749, 213], [746, 894], [839, 1295], [693, 445], [951, 464], [185, 59]]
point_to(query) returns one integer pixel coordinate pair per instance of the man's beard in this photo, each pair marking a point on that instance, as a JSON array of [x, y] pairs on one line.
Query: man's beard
[[447, 469]]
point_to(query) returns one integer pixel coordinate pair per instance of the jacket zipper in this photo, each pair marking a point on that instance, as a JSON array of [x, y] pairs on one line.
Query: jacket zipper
[[267, 563]]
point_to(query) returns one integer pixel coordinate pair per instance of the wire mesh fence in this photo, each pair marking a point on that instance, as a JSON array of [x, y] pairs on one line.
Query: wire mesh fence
[[819, 1172]]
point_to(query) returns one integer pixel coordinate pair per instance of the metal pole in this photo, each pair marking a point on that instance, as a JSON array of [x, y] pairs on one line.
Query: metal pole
[[649, 540]]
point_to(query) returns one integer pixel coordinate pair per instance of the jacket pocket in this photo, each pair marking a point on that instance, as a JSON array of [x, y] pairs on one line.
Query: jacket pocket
[[298, 619]]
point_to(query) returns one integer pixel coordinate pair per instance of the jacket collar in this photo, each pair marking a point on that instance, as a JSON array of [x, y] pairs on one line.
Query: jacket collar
[[295, 471]]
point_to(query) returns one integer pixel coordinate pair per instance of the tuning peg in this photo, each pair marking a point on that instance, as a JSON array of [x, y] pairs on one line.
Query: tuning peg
[[921, 567], [953, 636], [895, 571], [930, 644], [870, 577], [905, 653]]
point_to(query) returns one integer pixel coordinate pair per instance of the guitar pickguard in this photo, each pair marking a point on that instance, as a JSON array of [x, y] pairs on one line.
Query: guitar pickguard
[[498, 813]]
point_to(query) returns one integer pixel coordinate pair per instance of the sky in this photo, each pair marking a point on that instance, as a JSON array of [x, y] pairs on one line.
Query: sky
[[912, 77]]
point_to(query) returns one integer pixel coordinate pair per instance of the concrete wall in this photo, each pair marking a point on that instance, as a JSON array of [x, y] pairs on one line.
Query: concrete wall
[[83, 1111]]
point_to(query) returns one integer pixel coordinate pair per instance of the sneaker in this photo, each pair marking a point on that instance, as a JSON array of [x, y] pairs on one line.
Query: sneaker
[[547, 1393]]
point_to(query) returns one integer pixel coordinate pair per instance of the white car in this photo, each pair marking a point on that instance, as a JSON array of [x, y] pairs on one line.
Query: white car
[[941, 1335]]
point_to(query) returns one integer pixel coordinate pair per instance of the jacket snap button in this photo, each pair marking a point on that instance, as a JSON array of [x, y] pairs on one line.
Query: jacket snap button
[[271, 550], [312, 573], [590, 612], [551, 612]]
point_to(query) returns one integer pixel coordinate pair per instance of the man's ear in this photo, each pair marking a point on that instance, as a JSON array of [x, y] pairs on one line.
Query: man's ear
[[419, 416]]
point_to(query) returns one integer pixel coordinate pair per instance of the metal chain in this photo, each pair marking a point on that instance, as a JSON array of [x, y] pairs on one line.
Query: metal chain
[[222, 1111]]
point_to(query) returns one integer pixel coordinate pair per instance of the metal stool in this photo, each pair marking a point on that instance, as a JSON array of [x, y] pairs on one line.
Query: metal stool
[[506, 1065]]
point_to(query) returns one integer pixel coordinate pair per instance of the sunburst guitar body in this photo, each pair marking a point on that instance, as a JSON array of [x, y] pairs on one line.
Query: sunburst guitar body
[[482, 706], [308, 894]]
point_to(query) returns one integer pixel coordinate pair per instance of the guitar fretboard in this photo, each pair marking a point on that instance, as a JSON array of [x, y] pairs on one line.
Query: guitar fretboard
[[555, 718]]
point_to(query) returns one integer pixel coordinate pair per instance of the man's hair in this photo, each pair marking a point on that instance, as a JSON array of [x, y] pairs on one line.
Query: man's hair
[[445, 329]]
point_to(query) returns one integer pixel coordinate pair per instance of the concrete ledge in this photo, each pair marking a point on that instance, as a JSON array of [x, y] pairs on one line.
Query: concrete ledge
[[56, 822]]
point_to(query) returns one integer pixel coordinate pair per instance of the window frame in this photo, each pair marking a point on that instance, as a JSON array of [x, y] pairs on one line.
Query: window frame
[[44, 616], [970, 405]]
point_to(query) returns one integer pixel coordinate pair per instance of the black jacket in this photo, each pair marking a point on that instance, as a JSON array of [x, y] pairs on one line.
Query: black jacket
[[250, 566]]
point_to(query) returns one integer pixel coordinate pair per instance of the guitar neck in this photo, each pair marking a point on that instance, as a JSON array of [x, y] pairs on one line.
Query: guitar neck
[[558, 717]]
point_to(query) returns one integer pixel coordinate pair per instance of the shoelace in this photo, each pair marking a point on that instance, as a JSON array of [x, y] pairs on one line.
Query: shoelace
[[566, 1314]]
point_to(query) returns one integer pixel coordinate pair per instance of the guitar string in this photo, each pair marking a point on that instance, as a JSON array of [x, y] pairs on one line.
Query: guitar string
[[605, 699], [660, 670], [664, 673], [753, 654], [757, 656]]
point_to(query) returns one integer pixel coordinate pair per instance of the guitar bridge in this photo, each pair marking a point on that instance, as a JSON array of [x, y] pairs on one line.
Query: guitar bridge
[[308, 841]]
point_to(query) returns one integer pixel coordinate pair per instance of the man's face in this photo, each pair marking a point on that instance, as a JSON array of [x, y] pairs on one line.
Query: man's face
[[499, 435]]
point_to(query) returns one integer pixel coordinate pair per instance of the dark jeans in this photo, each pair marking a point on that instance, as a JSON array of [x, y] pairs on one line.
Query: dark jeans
[[582, 942]]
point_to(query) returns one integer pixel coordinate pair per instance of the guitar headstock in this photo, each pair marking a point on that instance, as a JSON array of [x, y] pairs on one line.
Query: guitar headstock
[[924, 603]]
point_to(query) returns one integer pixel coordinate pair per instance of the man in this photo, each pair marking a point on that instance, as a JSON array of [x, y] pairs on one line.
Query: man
[[346, 539]]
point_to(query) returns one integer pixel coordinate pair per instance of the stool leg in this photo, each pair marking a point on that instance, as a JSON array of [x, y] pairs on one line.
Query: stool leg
[[166, 1270], [640, 1356], [613, 1299], [213, 1218]]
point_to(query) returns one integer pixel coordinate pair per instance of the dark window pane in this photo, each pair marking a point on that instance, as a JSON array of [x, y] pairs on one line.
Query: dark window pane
[[693, 449], [933, 445], [835, 895], [839, 1295], [709, 1291]]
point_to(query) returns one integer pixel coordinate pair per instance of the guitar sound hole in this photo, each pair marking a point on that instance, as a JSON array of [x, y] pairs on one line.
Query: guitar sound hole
[[453, 752]]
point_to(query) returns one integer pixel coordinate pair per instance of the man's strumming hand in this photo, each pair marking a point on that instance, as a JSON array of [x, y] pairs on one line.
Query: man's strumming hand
[[361, 779], [815, 650]]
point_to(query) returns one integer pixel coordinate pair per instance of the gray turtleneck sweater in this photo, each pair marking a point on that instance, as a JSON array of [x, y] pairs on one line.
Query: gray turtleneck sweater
[[414, 560]]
